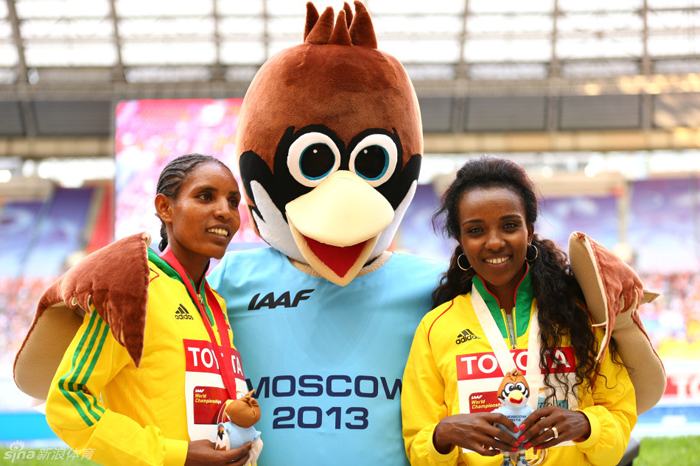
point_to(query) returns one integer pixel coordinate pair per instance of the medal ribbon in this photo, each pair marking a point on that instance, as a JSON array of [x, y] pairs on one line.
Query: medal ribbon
[[223, 352], [501, 351]]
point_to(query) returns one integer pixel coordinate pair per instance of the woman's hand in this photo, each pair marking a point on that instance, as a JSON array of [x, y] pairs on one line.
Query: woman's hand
[[475, 432], [550, 426], [202, 452]]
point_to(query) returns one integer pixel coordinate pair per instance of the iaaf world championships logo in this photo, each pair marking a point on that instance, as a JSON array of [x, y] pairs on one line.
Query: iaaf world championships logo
[[17, 452]]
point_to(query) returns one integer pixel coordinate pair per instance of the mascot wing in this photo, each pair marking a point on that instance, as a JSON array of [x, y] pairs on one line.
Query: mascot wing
[[613, 294], [113, 282]]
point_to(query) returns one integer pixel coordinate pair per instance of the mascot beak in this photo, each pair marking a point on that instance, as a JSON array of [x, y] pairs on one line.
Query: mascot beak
[[516, 397], [337, 224]]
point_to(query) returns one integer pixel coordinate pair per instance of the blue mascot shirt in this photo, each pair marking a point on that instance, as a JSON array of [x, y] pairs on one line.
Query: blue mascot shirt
[[325, 361], [237, 435]]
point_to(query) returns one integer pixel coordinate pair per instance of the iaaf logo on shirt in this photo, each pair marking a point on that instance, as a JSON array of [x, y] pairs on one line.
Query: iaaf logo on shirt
[[283, 300], [485, 365]]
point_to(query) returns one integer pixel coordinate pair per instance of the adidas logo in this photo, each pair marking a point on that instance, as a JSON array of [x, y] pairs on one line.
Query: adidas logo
[[465, 336], [183, 314]]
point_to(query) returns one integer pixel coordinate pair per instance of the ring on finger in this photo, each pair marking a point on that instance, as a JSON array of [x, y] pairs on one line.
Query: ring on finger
[[556, 432]]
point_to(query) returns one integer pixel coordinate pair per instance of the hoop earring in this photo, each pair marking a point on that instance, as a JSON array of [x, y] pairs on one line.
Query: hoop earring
[[537, 253], [460, 265]]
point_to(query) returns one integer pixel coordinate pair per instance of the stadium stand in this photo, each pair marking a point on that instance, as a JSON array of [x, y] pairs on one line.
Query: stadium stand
[[39, 239]]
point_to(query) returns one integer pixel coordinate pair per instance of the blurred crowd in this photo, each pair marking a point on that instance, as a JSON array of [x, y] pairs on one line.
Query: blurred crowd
[[18, 301], [673, 320]]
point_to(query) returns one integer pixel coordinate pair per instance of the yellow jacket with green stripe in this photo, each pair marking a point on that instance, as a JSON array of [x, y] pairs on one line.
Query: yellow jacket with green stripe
[[102, 404], [433, 380]]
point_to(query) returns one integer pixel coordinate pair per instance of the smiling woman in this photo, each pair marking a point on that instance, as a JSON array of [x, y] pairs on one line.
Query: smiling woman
[[509, 304], [197, 202], [161, 403], [494, 237]]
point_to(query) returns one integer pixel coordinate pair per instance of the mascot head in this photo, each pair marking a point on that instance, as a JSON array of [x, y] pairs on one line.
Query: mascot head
[[330, 145], [244, 411], [514, 390]]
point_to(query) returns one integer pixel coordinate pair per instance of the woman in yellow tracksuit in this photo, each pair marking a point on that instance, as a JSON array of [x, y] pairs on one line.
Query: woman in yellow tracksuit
[[163, 409], [508, 300]]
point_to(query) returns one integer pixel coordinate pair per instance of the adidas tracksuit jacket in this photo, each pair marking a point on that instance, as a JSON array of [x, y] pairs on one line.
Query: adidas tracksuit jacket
[[100, 402], [450, 335]]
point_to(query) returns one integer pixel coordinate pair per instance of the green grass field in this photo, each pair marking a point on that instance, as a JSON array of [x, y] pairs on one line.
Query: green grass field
[[667, 451]]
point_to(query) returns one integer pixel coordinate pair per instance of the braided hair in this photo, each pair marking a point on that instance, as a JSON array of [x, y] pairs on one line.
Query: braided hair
[[557, 292], [171, 179]]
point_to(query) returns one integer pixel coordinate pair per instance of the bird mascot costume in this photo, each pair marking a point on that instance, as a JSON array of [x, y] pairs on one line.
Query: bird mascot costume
[[330, 147]]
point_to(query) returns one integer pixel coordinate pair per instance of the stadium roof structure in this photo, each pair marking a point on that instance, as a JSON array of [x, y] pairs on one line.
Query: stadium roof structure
[[556, 72]]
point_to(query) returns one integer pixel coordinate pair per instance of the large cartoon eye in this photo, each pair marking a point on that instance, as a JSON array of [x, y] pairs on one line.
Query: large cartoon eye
[[508, 388], [374, 159], [312, 157], [520, 386]]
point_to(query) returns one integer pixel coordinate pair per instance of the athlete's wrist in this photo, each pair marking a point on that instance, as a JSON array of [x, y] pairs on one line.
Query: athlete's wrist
[[440, 442]]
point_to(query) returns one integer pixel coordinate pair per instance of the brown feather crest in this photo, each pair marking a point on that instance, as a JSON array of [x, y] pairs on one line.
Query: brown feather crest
[[311, 18], [362, 29], [348, 13], [356, 30], [341, 35], [322, 30]]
